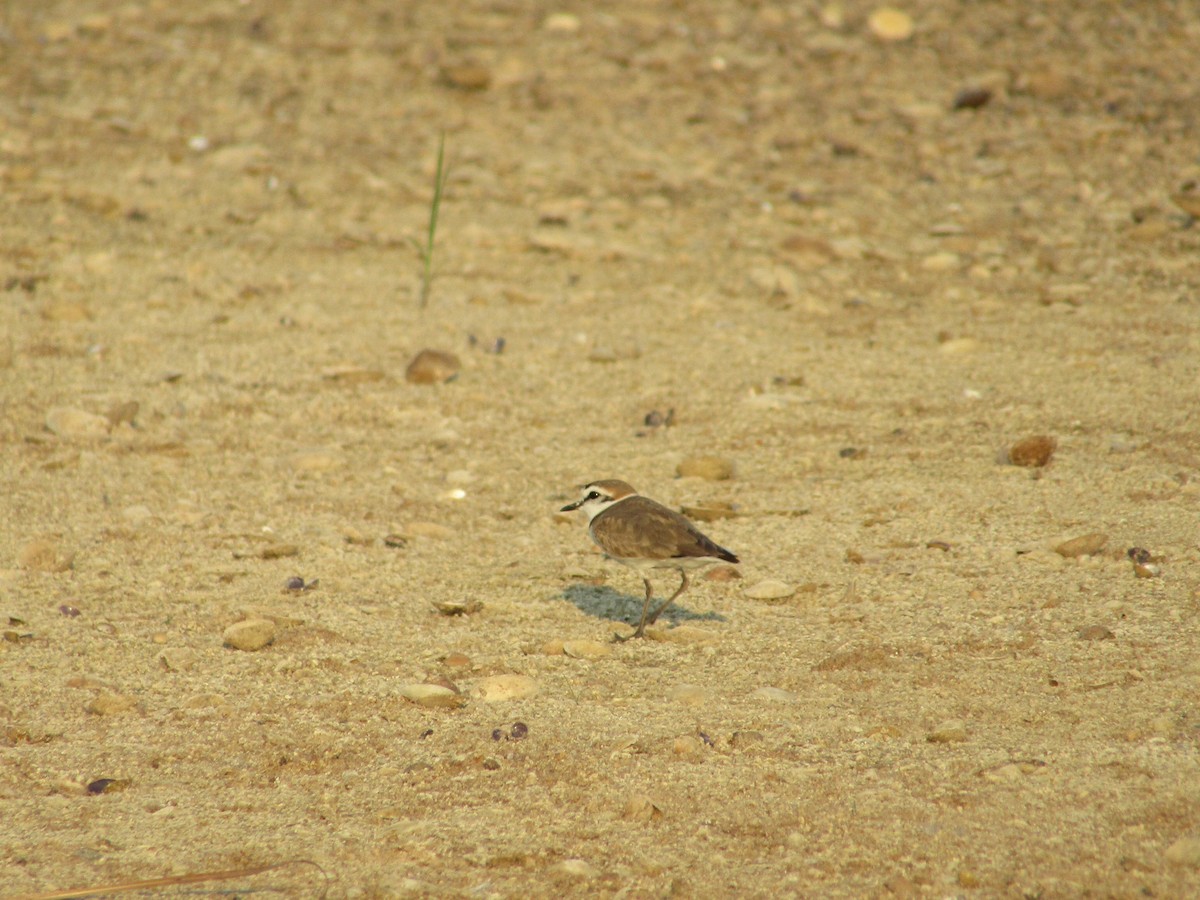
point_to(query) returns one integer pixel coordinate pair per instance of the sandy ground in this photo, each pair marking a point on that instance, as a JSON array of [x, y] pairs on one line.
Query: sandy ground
[[774, 220]]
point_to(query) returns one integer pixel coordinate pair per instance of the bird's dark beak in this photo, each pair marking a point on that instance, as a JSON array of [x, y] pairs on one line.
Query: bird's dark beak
[[572, 506]]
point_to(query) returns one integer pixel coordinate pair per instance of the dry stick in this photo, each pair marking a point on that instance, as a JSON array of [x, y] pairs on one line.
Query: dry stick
[[439, 181], [172, 880]]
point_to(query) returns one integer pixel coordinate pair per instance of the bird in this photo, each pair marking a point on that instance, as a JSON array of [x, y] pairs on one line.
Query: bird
[[644, 535]]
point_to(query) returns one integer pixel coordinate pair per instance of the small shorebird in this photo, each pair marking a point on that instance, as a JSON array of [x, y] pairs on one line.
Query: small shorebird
[[645, 535]]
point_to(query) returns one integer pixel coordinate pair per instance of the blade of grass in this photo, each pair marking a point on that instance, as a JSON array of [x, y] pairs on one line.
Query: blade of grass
[[439, 182]]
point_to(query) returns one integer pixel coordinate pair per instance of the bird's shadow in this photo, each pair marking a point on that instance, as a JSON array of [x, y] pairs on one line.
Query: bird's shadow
[[605, 603]]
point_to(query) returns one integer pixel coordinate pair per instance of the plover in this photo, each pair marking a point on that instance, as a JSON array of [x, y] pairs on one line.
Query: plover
[[645, 535]]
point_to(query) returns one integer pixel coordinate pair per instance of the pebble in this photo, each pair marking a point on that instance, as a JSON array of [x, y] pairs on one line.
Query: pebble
[[498, 688], [434, 696], [561, 23], [44, 555], [432, 367], [774, 695], [722, 573], [1084, 545], [711, 468], [250, 634], [1184, 852], [958, 346], [467, 76], [641, 808], [943, 261], [586, 649], [68, 422], [769, 590], [890, 24], [575, 868], [108, 703], [1096, 633], [710, 512], [949, 732], [1033, 452]]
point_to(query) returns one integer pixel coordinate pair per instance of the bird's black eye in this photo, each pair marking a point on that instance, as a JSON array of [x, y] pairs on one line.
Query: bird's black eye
[[594, 495]]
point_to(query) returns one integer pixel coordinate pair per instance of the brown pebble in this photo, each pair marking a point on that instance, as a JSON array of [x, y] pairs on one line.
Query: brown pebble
[[108, 703], [432, 367], [249, 634], [972, 98], [1033, 452], [1084, 545], [1096, 633], [467, 76]]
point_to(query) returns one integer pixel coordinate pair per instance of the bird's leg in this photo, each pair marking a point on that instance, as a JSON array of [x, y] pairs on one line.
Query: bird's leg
[[641, 629], [683, 586]]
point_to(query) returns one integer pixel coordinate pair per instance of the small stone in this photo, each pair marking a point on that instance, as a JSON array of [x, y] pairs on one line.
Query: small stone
[[1096, 633], [641, 808], [973, 97], [1146, 570], [949, 732], [722, 573], [774, 695], [769, 590], [499, 688], [890, 24], [943, 261], [578, 869], [108, 703], [561, 23], [250, 634], [69, 423], [457, 607], [1084, 545], [44, 555], [1184, 852], [586, 649], [962, 346], [711, 468], [434, 696], [432, 367], [710, 512], [467, 77], [1033, 452]]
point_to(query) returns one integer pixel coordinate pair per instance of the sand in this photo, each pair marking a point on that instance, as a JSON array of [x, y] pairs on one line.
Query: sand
[[854, 264]]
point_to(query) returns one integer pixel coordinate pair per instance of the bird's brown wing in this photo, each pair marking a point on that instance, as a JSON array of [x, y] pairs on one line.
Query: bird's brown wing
[[644, 529]]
